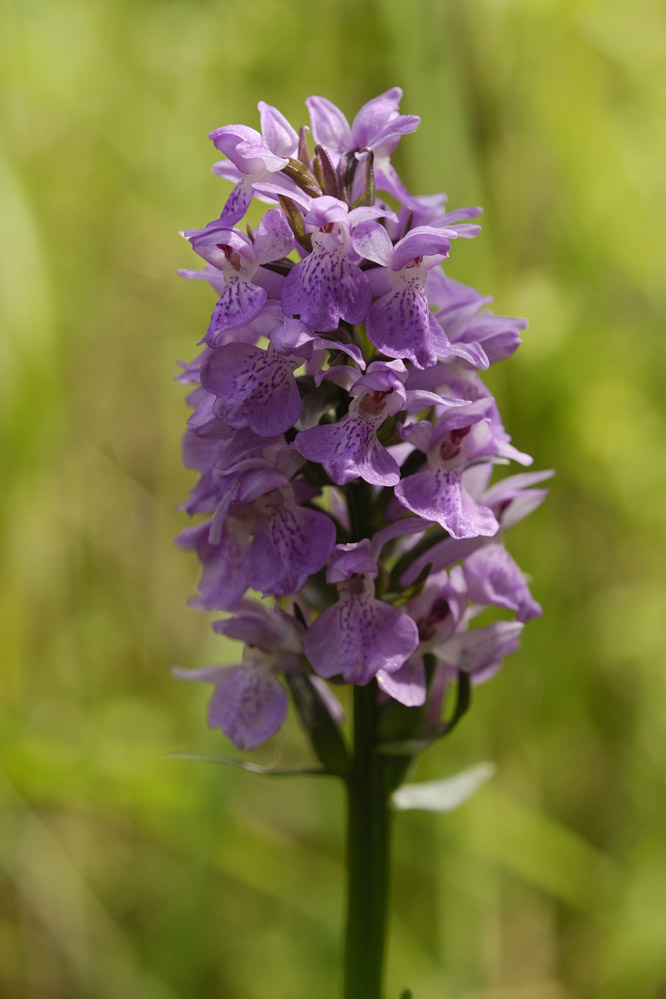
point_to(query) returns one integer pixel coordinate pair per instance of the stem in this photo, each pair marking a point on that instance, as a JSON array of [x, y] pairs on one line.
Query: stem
[[368, 850]]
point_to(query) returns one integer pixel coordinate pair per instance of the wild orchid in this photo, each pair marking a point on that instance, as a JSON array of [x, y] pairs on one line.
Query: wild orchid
[[345, 445]]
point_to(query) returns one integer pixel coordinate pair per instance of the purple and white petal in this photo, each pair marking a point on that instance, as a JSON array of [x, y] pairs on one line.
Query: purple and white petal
[[401, 324], [238, 305], [249, 705], [493, 577], [437, 494], [481, 649], [407, 684], [293, 543], [246, 149], [278, 134], [371, 240], [330, 127], [325, 288], [223, 581], [359, 635], [379, 125], [430, 246], [349, 449], [273, 238], [237, 203], [350, 560], [254, 387]]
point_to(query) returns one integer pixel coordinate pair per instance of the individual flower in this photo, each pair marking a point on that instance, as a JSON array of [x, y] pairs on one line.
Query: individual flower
[[359, 635], [253, 387], [328, 285], [292, 543], [350, 449], [252, 157], [438, 492], [400, 322], [239, 260], [249, 703]]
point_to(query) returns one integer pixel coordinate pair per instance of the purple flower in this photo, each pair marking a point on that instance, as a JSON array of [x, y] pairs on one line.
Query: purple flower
[[493, 577], [400, 322], [438, 492], [350, 448], [488, 338], [339, 351], [407, 684], [254, 388], [377, 126], [239, 259], [292, 543], [253, 157], [249, 703], [480, 651], [328, 286], [359, 635]]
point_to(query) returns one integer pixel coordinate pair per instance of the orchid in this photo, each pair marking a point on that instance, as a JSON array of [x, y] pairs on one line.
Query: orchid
[[349, 518]]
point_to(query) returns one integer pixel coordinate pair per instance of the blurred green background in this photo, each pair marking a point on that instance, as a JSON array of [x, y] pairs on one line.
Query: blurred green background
[[125, 874]]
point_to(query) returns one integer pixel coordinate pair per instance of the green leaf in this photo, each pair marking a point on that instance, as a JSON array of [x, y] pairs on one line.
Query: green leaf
[[253, 768], [325, 736], [422, 740], [463, 702], [443, 795]]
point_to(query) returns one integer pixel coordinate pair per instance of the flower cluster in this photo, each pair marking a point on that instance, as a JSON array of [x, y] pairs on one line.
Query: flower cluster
[[342, 434]]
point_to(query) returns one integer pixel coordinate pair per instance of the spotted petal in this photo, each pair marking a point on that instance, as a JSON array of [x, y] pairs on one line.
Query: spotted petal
[[324, 288], [493, 577], [359, 636], [401, 324], [255, 388], [438, 495], [238, 305], [294, 543], [249, 705], [349, 449]]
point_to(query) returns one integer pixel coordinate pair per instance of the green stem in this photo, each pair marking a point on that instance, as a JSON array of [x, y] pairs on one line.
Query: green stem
[[368, 854]]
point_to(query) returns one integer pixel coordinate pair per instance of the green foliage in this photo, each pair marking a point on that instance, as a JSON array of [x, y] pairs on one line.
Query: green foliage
[[125, 874]]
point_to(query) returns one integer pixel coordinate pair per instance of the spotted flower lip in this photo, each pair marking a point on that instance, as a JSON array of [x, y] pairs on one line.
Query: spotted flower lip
[[359, 635], [350, 448], [400, 322], [438, 491], [249, 703], [253, 387], [329, 286], [349, 522], [238, 259]]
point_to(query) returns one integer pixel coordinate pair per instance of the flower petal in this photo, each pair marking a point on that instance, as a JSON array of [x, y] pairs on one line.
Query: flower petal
[[349, 449], [294, 543], [238, 305], [249, 705], [254, 388], [358, 637], [407, 684], [439, 495], [493, 577]]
